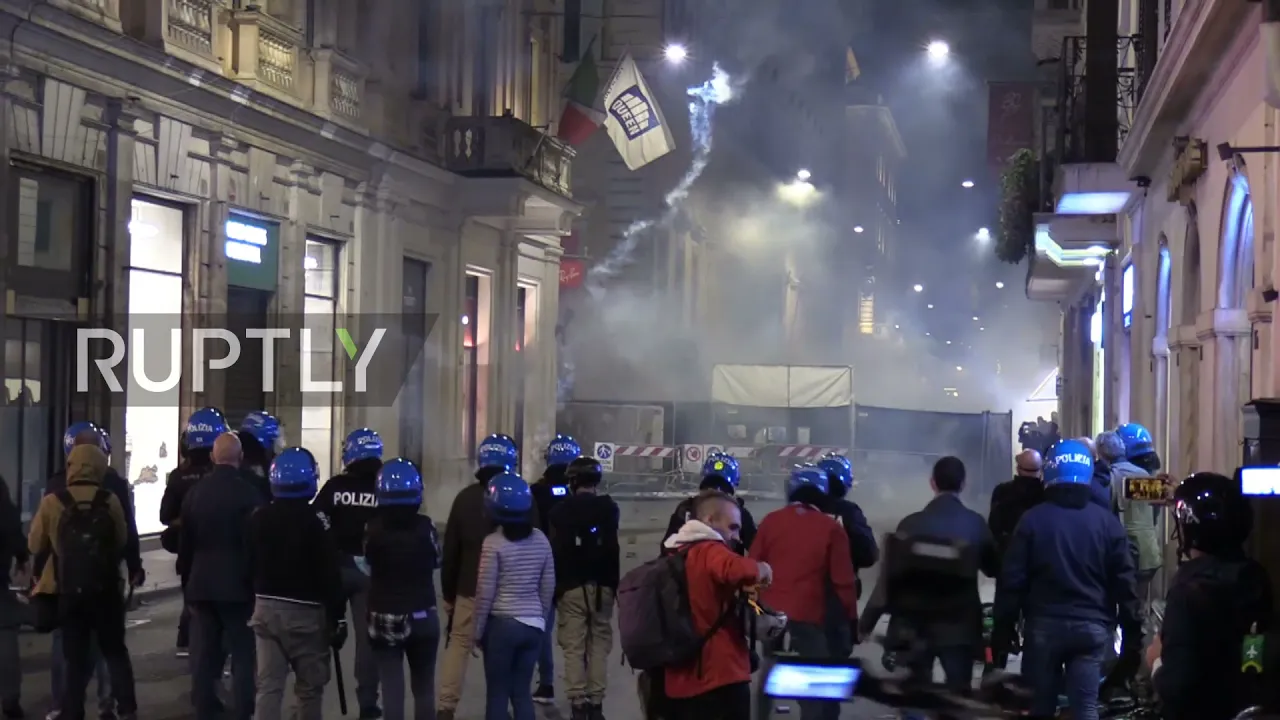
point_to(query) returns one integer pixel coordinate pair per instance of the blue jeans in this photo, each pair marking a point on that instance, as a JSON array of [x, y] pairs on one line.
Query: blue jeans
[[511, 650], [1065, 654], [546, 659], [58, 675]]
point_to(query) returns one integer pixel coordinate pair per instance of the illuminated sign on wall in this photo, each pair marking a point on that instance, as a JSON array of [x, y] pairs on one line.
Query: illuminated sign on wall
[[1126, 295], [245, 242]]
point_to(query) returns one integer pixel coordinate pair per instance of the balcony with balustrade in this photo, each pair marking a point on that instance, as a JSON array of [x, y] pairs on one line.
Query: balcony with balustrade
[[507, 147]]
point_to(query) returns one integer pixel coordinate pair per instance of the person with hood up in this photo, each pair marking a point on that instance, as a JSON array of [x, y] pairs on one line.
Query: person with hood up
[[811, 553], [515, 584], [1067, 571], [403, 552], [1139, 518], [465, 532], [717, 686], [1218, 607], [346, 504], [719, 472], [87, 433], [91, 607], [584, 541], [548, 492], [196, 447], [1011, 499], [299, 603]]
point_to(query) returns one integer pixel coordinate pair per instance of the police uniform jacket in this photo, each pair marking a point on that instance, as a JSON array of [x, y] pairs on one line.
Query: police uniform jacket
[[347, 503]]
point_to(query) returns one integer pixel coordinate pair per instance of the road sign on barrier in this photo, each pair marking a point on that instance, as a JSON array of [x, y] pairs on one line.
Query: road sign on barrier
[[691, 457], [604, 453]]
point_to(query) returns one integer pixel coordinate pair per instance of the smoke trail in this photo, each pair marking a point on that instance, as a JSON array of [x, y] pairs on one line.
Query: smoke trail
[[702, 104], [703, 100]]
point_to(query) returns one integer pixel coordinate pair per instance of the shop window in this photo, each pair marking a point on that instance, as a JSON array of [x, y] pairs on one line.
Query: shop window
[[320, 305], [476, 354], [152, 418], [49, 232]]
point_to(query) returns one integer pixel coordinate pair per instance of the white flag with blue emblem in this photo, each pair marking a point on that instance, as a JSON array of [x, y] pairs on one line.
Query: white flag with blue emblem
[[634, 121]]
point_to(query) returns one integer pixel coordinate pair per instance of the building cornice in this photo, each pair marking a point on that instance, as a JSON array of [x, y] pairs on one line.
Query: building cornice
[[1202, 33], [53, 38]]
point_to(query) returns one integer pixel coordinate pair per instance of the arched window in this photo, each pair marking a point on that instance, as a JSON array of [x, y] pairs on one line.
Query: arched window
[[1164, 276], [1190, 271], [1235, 272]]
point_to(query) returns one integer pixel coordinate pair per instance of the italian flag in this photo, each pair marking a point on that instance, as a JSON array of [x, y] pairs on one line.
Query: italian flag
[[580, 118]]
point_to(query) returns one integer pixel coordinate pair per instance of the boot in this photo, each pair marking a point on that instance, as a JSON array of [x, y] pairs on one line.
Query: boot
[[580, 712], [596, 712]]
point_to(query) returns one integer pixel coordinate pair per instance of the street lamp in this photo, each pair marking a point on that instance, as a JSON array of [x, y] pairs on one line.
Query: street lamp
[[959, 368], [984, 234], [803, 175], [857, 228], [675, 53], [999, 285], [966, 184], [918, 287], [930, 306], [938, 50]]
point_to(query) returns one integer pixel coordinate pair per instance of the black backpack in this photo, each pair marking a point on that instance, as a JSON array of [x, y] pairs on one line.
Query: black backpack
[[88, 563], [590, 539]]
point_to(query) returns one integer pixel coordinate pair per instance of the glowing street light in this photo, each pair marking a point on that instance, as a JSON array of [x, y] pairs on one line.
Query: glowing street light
[[938, 50], [966, 184], [948, 342], [975, 318], [929, 306], [999, 285], [803, 175], [675, 53], [984, 234], [857, 228], [959, 368], [918, 287]]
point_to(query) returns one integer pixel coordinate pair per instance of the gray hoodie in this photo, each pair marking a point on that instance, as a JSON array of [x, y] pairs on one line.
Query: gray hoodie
[[1139, 518]]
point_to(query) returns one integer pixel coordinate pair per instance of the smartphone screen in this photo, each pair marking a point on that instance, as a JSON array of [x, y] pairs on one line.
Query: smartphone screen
[[811, 682], [559, 490], [1260, 481]]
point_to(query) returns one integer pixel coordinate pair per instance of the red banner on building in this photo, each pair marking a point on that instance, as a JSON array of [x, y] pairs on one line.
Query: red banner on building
[[572, 274], [1010, 120]]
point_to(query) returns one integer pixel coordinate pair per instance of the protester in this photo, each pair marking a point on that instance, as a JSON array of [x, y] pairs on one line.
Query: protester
[[717, 685], [214, 558], [1011, 499], [84, 532], [403, 551], [515, 585]]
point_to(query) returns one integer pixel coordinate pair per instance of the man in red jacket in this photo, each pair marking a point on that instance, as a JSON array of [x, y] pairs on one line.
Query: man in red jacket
[[817, 562], [718, 685]]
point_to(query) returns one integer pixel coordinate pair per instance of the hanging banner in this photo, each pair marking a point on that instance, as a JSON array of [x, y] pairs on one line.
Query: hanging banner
[[1010, 120]]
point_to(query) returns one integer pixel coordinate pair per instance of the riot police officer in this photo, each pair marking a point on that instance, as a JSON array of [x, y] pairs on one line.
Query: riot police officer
[[719, 472], [347, 503], [548, 491], [261, 439], [299, 601], [203, 428]]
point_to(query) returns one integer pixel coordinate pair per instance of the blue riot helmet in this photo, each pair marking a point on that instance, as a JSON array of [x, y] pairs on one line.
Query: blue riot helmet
[[294, 474], [508, 498], [807, 475], [723, 466], [203, 427], [399, 483], [362, 444], [839, 471], [265, 428], [498, 451], [79, 428], [1069, 461], [1137, 440], [562, 450]]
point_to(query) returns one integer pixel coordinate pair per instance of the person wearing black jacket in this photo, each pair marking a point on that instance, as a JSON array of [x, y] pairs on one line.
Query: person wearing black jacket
[[203, 428], [720, 472], [86, 433], [213, 557], [1009, 500], [548, 491], [347, 503], [13, 553], [299, 603], [1218, 607], [584, 544], [403, 551]]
